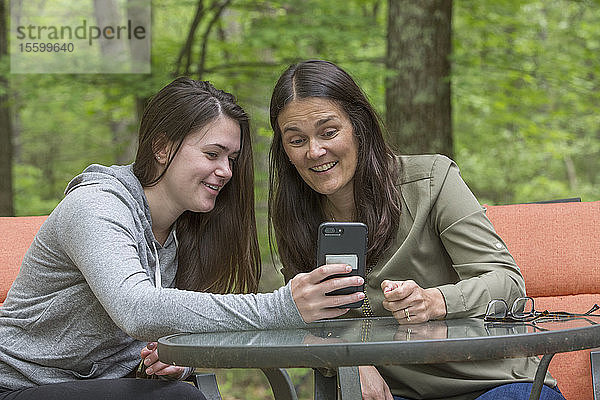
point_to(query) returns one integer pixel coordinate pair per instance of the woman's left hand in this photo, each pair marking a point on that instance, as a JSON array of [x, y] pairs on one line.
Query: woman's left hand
[[410, 303], [154, 367]]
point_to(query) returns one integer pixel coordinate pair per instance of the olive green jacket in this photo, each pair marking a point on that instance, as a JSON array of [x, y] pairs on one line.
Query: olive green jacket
[[446, 241]]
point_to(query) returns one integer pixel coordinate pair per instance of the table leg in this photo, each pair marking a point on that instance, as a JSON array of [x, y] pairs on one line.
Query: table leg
[[349, 381], [281, 384], [207, 384], [325, 386], [595, 364], [540, 375]]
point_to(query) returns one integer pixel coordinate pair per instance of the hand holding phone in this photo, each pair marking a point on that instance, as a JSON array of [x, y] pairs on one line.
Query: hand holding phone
[[343, 243]]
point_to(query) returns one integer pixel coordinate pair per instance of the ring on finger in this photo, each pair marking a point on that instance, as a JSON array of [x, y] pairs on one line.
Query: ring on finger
[[407, 314]]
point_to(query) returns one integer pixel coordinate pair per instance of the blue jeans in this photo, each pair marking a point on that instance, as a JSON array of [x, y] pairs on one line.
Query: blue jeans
[[515, 391]]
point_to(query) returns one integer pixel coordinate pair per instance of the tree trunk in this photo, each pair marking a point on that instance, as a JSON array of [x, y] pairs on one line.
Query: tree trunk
[[6, 149], [417, 99], [139, 13], [107, 14]]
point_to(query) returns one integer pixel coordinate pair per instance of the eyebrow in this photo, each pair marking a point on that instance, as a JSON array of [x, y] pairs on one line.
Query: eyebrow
[[291, 128], [224, 148], [324, 120], [317, 124]]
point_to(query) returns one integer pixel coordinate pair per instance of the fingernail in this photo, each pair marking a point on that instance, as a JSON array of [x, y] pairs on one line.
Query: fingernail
[[147, 361], [149, 371], [387, 289], [151, 346], [348, 268]]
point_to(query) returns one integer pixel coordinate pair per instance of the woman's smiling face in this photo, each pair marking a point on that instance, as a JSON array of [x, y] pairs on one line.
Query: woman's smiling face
[[202, 166], [319, 140]]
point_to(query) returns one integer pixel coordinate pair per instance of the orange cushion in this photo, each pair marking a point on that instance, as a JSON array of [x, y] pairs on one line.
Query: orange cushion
[[572, 370], [16, 235], [556, 245]]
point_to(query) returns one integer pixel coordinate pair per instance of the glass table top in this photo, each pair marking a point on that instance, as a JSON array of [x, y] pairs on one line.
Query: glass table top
[[361, 341]]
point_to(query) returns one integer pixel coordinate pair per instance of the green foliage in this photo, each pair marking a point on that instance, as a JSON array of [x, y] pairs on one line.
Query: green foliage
[[524, 92], [27, 194], [65, 125], [243, 384], [525, 87], [252, 384], [525, 97]]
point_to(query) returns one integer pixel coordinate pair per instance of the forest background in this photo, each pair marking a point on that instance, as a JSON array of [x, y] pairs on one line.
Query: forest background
[[509, 89]]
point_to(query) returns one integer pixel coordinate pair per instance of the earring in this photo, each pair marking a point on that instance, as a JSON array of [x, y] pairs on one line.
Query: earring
[[157, 157]]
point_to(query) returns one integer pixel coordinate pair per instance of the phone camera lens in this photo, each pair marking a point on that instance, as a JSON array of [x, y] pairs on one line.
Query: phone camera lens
[[330, 230]]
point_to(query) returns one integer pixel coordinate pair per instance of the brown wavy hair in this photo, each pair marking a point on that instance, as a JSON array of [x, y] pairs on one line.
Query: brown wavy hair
[[218, 250], [295, 210]]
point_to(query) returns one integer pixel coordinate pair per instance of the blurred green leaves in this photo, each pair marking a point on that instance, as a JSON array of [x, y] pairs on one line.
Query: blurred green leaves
[[525, 91]]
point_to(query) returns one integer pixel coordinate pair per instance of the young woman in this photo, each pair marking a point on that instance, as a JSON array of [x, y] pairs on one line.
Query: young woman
[[136, 252], [432, 252]]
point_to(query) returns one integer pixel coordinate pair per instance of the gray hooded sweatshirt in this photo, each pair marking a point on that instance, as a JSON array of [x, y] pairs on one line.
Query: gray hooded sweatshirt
[[86, 299]]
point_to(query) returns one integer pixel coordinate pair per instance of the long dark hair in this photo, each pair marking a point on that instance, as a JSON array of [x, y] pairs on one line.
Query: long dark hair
[[218, 251], [295, 210]]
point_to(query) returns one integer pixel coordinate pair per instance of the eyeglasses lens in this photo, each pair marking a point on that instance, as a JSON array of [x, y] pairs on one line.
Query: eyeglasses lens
[[522, 307], [496, 309]]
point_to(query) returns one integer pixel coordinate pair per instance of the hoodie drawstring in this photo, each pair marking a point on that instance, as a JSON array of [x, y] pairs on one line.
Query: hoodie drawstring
[[157, 275]]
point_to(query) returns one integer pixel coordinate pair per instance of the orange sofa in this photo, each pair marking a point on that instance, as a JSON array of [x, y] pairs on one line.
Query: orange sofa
[[16, 234], [557, 247]]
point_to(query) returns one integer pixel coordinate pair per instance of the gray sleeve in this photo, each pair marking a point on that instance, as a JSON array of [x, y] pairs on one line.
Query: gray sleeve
[[98, 233]]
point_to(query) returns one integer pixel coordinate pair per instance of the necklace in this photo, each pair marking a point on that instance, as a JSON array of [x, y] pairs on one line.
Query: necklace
[[330, 215]]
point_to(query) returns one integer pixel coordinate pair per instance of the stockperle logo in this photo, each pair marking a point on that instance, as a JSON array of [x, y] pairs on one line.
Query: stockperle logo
[[60, 36]]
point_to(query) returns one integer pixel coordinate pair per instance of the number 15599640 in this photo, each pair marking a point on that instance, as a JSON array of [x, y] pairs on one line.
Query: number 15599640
[[34, 47]]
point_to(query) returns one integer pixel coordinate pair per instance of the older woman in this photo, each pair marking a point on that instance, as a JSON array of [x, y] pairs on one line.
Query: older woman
[[432, 252]]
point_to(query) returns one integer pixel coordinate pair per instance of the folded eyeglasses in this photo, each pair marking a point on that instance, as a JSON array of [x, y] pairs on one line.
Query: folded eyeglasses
[[523, 310]]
